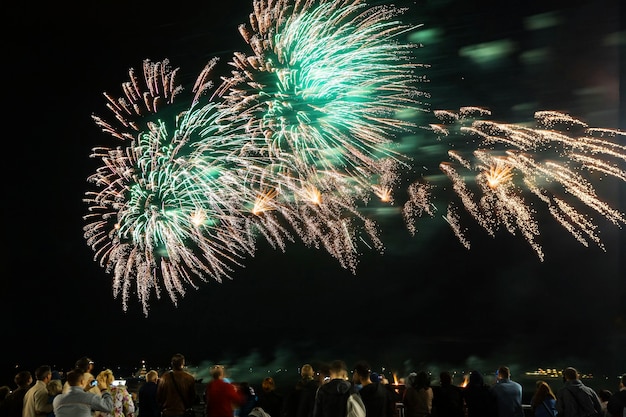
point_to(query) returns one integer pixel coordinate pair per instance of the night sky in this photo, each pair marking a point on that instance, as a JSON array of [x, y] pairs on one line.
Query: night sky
[[426, 300]]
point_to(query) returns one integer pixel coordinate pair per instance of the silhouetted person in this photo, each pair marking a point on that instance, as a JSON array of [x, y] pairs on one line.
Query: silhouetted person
[[374, 395], [479, 402], [616, 406], [250, 399], [508, 394], [604, 395], [176, 390], [576, 399], [14, 402], [148, 406], [447, 398], [331, 397], [418, 395], [300, 401], [394, 392], [5, 390], [269, 400], [543, 403]]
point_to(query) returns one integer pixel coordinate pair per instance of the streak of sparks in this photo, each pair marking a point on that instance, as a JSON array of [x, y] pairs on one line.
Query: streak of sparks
[[295, 141], [550, 165]]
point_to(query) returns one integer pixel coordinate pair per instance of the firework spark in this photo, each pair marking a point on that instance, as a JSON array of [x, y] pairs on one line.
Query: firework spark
[[543, 161], [282, 150], [325, 84], [330, 132], [167, 212], [298, 139]]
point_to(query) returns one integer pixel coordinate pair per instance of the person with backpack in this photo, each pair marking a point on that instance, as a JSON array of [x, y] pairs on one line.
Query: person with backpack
[[576, 399], [338, 397]]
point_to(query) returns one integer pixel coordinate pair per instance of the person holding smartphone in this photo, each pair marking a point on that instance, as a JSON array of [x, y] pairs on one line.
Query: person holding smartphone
[[86, 365], [123, 404], [76, 402]]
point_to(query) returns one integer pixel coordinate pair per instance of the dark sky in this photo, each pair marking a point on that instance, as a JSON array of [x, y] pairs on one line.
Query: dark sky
[[426, 300]]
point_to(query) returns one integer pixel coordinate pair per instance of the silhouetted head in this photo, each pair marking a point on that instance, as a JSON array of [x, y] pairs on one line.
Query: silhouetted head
[[544, 390], [54, 387], [362, 368], [268, 384], [75, 377], [85, 364], [504, 372], [307, 371], [217, 371], [604, 395], [338, 369], [178, 361], [152, 376], [43, 372], [23, 379], [475, 378], [570, 374], [445, 378], [4, 391], [422, 380]]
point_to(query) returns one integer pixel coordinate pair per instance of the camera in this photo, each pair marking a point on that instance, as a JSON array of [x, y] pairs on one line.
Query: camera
[[94, 383]]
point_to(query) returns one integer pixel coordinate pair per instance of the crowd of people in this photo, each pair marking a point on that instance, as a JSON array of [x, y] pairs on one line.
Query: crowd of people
[[316, 393]]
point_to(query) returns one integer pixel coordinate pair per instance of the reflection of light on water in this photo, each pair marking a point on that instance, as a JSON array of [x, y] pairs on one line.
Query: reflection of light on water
[[553, 373], [548, 373]]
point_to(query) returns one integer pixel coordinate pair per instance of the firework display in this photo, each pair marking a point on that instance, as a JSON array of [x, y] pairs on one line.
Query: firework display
[[300, 139], [543, 161]]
